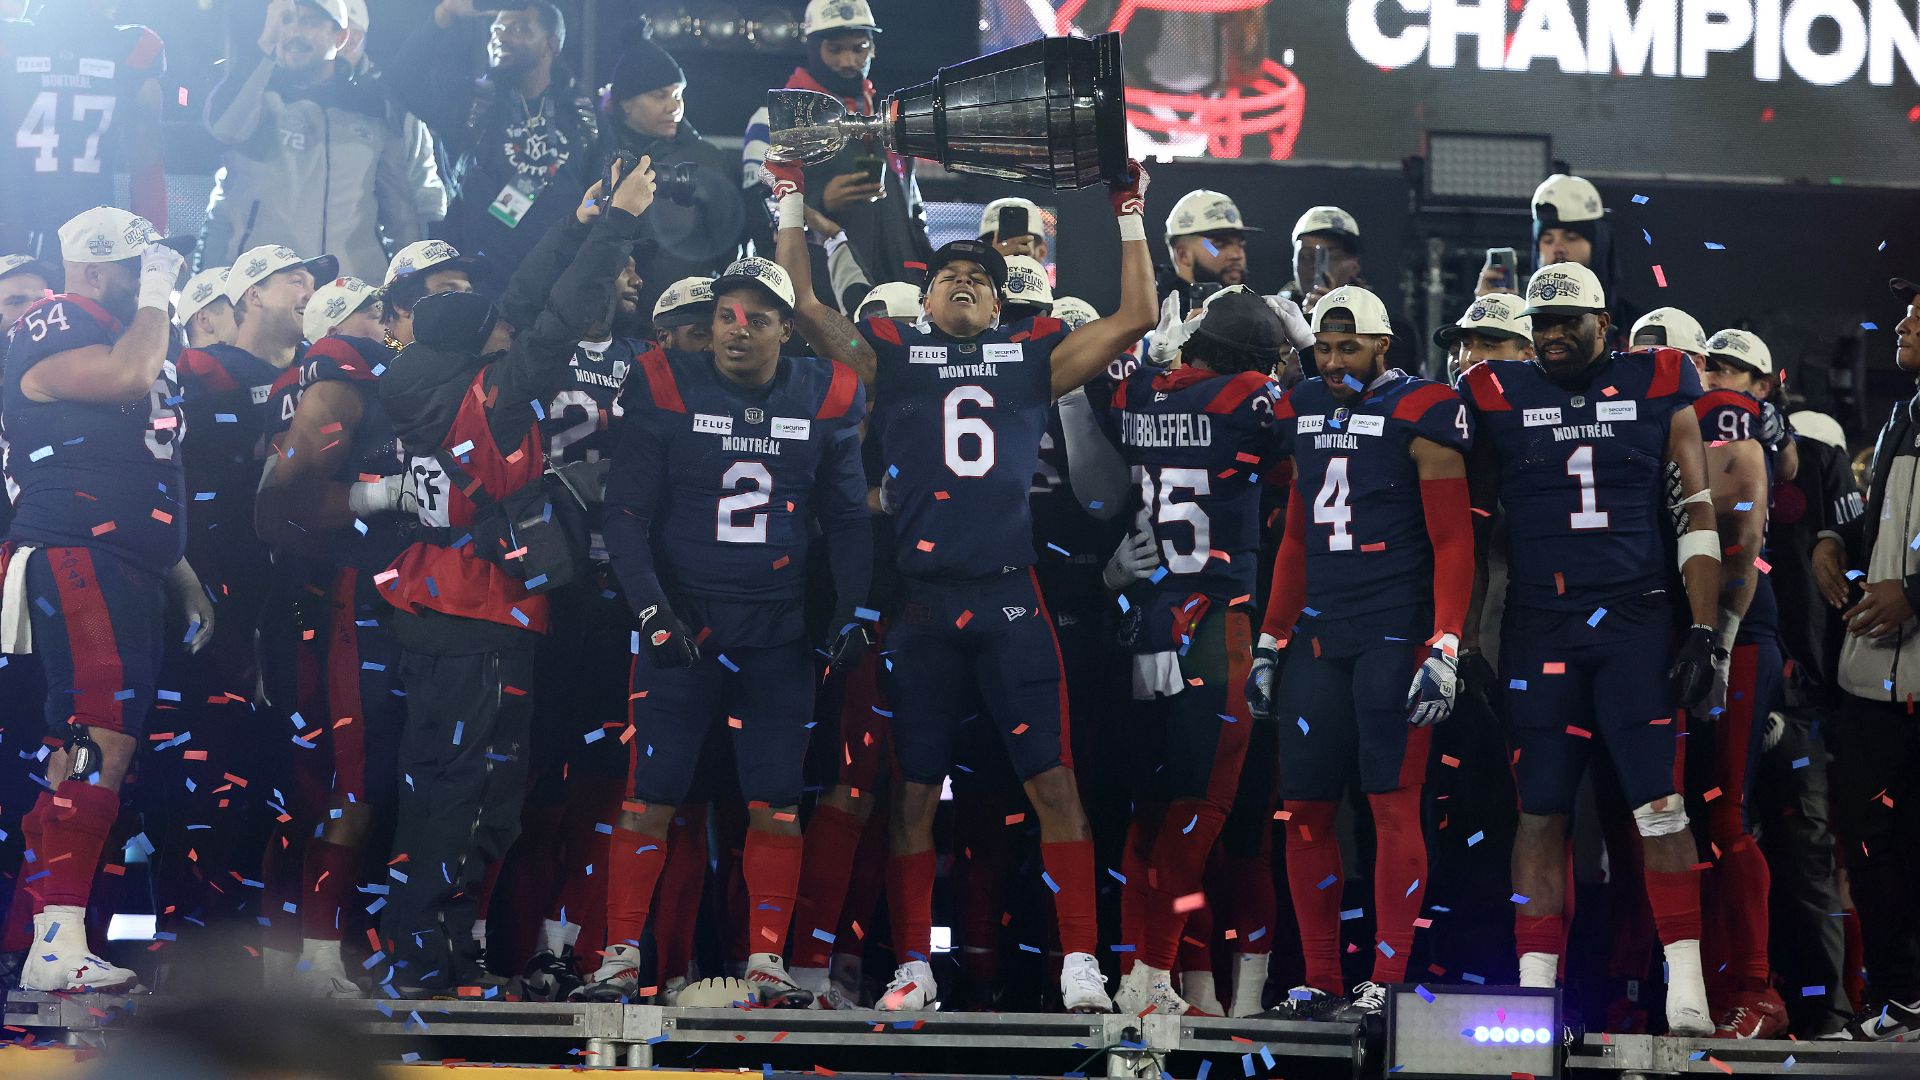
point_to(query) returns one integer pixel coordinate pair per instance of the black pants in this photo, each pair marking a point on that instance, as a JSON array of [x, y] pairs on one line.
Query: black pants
[[1788, 804], [463, 777], [1876, 806]]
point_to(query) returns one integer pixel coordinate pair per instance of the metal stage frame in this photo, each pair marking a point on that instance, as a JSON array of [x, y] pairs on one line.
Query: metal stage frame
[[793, 1043]]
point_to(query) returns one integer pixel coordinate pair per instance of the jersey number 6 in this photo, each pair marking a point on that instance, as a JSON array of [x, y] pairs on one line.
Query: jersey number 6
[[954, 428]]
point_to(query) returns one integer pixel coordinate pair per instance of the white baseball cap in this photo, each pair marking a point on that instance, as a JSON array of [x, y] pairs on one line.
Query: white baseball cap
[[1497, 315], [1671, 327], [1369, 314], [332, 303], [337, 10], [1564, 289], [898, 300], [1027, 281], [357, 15], [1331, 219], [990, 217], [14, 264], [824, 15], [1205, 211], [1819, 427], [1741, 348], [687, 301], [200, 290], [1074, 311], [1564, 198], [423, 255], [754, 270], [257, 264], [105, 234]]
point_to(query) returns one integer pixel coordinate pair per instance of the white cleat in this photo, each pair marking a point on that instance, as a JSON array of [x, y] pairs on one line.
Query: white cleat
[[324, 976], [1083, 988], [1687, 1012], [767, 974], [1149, 990], [912, 989], [816, 981], [617, 979], [1249, 983], [1197, 987], [846, 978], [59, 960]]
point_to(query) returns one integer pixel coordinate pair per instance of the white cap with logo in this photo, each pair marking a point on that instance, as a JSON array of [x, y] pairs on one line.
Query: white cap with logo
[[1329, 219], [10, 264], [200, 290], [1570, 198], [1369, 314], [1073, 311], [1671, 327], [824, 15], [331, 303], [1027, 281], [105, 234], [1203, 211], [1741, 348], [1819, 427], [687, 301], [1496, 315], [1564, 289], [897, 300], [990, 217], [419, 255], [357, 16], [754, 270], [257, 264], [339, 11]]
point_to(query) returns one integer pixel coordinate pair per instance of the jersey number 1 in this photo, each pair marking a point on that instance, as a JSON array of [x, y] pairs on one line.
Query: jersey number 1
[[1580, 467]]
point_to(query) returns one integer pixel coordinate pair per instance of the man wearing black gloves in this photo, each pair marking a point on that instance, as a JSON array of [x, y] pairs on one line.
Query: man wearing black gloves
[[462, 402]]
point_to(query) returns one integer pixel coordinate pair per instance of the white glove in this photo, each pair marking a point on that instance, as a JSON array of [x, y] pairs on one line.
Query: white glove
[[887, 504], [1259, 688], [196, 608], [382, 496], [1136, 558], [1299, 330], [1165, 343], [159, 273], [1430, 698]]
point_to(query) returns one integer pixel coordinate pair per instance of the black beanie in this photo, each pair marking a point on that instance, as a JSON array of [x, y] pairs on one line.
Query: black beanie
[[456, 321], [1239, 332], [643, 66]]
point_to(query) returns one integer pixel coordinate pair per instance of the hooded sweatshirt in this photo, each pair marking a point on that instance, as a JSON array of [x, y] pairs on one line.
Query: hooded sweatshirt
[[1882, 542]]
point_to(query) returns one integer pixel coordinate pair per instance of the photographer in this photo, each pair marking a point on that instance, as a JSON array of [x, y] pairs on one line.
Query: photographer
[[466, 389]]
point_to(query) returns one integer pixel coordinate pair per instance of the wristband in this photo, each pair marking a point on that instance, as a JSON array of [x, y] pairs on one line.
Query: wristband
[[793, 210], [1132, 227]]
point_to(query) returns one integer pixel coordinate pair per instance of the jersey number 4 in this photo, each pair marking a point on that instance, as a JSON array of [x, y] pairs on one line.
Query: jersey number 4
[[40, 130], [1164, 506]]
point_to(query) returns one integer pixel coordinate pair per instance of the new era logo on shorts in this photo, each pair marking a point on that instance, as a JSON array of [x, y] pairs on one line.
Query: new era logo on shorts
[[1013, 613]]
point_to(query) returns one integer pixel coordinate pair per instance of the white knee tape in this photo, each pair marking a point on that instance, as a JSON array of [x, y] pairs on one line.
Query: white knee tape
[[1656, 822]]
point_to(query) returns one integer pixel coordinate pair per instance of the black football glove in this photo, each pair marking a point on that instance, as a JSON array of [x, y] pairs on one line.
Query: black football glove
[[667, 639], [848, 639], [1478, 680], [1693, 669]]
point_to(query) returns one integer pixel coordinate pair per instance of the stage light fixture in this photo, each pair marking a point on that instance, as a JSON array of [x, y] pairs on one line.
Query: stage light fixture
[[774, 29], [673, 24], [723, 27], [1463, 1032], [1476, 167]]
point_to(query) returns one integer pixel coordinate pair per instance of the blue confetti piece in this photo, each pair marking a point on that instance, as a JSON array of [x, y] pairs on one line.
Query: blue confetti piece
[[459, 729], [229, 418], [45, 608], [518, 616], [1647, 236], [822, 935], [1063, 552], [1048, 878], [1426, 995], [41, 454], [535, 582], [1352, 383], [1470, 977], [123, 695], [463, 449], [1159, 574], [1856, 575], [1711, 246], [1352, 913], [1206, 1066], [594, 736], [1116, 875], [1476, 838], [1266, 1057], [726, 663], [1598, 614], [893, 471], [538, 412], [1743, 507], [1124, 606], [1801, 763], [1311, 613], [1190, 824], [1302, 721], [1813, 991], [1385, 949], [1518, 899], [866, 613], [1640, 200], [1516, 684], [1328, 880], [204, 496], [1869, 326]]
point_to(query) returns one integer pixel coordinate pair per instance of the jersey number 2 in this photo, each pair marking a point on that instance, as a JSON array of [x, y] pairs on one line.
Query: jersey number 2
[[727, 527]]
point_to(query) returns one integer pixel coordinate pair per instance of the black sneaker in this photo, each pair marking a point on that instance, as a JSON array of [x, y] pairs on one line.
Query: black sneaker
[[550, 977], [1879, 1022], [1307, 1003], [1365, 1003]]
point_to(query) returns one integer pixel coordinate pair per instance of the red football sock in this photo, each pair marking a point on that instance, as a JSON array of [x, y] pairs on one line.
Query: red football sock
[[910, 903], [772, 867], [1196, 940], [74, 821], [1539, 933], [977, 879], [1314, 878], [682, 881], [326, 884], [870, 864], [19, 929], [1070, 865], [1133, 896], [1187, 833], [1399, 879], [1252, 899], [833, 836], [634, 861], [583, 896], [1744, 879], [1675, 899]]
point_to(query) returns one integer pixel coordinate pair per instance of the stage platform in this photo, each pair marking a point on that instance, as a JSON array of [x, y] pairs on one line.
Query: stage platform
[[855, 1045]]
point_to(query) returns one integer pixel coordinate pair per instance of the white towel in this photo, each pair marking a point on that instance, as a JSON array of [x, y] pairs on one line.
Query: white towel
[[16, 623], [1156, 674]]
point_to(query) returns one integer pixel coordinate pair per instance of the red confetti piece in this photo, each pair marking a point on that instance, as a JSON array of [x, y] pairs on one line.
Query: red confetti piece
[[1021, 730], [103, 528], [965, 618], [924, 545], [1553, 667], [1193, 901], [734, 723], [1579, 732], [1449, 761], [1659, 276], [941, 496], [1381, 546], [1710, 794], [1015, 819]]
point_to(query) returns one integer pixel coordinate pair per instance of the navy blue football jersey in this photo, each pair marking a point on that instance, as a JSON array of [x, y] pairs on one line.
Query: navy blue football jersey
[[1582, 474], [1367, 548], [1731, 416], [225, 392], [1197, 444], [960, 424], [92, 475], [581, 423], [731, 478], [373, 451]]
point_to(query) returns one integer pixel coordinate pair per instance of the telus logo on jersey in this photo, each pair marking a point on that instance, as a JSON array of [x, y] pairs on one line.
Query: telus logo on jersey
[[1540, 417], [709, 424]]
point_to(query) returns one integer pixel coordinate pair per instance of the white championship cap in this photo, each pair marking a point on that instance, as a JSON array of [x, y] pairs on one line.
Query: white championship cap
[[357, 16], [754, 270], [1073, 311], [1497, 315], [1564, 198], [340, 11], [1819, 427], [687, 301], [257, 264], [419, 255], [1741, 348], [1027, 282], [990, 217], [1329, 219], [10, 264], [331, 303], [1564, 289], [200, 290], [105, 234], [1204, 211], [1369, 314], [897, 300], [1671, 327], [825, 15]]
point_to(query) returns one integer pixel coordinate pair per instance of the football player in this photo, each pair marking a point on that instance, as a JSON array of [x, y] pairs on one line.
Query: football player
[[724, 461], [91, 407], [683, 316], [961, 402], [1574, 446], [203, 310], [24, 281], [421, 269], [1491, 329], [1378, 558]]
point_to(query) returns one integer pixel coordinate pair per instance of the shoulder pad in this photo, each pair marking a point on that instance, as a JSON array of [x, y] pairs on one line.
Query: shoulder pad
[[1483, 388], [842, 388], [1234, 391], [883, 328], [1421, 396], [662, 389]]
